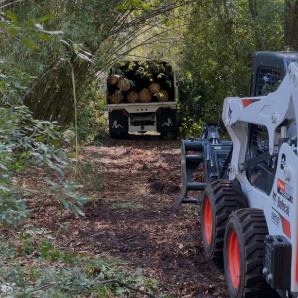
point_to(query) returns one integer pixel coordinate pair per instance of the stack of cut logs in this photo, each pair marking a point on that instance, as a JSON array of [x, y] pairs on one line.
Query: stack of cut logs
[[144, 96]]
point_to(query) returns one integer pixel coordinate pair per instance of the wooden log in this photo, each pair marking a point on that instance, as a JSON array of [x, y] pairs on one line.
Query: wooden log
[[133, 97], [116, 97], [113, 79], [154, 88], [163, 95], [123, 85], [145, 95]]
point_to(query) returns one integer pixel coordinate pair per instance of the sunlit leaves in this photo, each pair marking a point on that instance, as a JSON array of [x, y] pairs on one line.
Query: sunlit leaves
[[134, 4]]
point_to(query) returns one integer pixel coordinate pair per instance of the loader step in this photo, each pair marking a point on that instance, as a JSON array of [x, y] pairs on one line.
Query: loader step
[[190, 201], [194, 158], [193, 145], [196, 186]]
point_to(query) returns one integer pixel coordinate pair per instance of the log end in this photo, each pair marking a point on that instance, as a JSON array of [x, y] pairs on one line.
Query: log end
[[133, 97], [123, 85], [145, 95], [113, 79], [163, 95], [116, 97]]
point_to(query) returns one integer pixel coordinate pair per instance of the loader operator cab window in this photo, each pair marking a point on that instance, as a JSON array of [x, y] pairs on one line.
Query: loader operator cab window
[[262, 174], [268, 80]]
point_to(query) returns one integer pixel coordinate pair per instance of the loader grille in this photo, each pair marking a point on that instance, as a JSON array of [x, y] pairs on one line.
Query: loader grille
[[268, 80]]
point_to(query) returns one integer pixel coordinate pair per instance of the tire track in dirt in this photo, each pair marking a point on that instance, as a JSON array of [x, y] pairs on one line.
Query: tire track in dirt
[[133, 217], [142, 225]]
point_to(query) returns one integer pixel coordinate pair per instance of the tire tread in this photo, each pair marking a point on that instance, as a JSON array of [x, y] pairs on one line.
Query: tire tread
[[254, 229], [228, 198]]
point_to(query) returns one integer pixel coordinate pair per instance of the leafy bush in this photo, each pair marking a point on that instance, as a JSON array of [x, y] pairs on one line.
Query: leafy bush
[[27, 143]]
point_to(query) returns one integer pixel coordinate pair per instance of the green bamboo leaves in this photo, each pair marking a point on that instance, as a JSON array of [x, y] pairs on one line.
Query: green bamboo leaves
[[26, 30], [13, 17], [134, 4]]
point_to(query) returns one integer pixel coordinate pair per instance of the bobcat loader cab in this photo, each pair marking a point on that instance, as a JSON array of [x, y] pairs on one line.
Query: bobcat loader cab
[[249, 212], [265, 163]]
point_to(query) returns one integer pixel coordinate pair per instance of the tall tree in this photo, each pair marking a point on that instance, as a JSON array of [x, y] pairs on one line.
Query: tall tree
[[218, 43], [291, 23]]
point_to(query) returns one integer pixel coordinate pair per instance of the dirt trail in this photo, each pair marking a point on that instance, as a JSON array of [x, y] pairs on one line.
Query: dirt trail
[[133, 217]]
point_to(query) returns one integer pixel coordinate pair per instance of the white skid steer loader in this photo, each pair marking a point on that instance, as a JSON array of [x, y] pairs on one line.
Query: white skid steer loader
[[249, 199]]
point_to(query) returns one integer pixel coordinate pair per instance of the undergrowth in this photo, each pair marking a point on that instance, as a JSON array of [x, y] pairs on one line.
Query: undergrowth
[[31, 266]]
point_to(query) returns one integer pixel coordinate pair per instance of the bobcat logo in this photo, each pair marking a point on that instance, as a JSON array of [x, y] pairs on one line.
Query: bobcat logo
[[274, 198], [116, 125], [169, 123]]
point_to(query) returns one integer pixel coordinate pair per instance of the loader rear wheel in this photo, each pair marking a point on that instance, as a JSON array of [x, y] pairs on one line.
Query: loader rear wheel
[[220, 198], [243, 254]]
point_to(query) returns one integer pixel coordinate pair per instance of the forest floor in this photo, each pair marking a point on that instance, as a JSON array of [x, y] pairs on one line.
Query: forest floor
[[133, 217], [138, 221]]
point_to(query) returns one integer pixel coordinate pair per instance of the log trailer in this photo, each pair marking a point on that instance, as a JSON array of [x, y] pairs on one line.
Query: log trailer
[[141, 97], [249, 195]]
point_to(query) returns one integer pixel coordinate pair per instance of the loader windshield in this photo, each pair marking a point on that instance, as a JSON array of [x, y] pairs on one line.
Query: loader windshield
[[262, 174]]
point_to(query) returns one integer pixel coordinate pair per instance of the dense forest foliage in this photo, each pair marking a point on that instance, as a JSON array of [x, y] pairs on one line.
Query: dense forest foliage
[[54, 56]]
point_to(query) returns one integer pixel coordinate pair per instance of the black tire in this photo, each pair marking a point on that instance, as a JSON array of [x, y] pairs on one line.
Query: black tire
[[163, 134], [119, 135], [224, 196], [246, 280], [170, 135], [113, 135]]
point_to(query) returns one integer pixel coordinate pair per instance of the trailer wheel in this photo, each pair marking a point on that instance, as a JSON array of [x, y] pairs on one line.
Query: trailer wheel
[[170, 135], [220, 198], [119, 135], [243, 254]]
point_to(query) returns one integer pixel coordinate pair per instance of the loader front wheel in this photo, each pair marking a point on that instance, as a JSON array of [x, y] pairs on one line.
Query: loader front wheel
[[220, 198], [243, 254]]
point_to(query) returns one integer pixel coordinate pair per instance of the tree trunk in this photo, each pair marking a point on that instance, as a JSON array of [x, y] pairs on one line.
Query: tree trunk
[[258, 32], [291, 22]]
